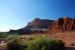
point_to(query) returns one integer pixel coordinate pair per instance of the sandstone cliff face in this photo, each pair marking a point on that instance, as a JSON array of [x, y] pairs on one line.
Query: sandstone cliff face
[[35, 26], [63, 24], [60, 25], [46, 25], [40, 23]]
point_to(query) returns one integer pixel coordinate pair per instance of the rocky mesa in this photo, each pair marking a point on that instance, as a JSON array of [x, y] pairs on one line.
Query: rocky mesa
[[63, 24], [42, 25]]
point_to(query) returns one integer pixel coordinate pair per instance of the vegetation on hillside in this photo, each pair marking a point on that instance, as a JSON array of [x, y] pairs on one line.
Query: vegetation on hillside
[[3, 35], [36, 43]]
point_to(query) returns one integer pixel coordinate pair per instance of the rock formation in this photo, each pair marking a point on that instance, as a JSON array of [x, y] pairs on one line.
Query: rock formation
[[35, 26], [63, 24], [39, 25], [42, 25]]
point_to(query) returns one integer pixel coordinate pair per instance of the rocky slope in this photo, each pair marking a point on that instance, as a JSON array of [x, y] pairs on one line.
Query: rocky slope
[[37, 25], [44, 25], [63, 24], [40, 23]]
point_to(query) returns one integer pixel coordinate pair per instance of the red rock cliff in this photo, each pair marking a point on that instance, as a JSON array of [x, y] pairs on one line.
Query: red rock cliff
[[63, 24]]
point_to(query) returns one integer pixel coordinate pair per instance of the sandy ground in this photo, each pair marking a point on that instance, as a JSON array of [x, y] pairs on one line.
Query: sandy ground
[[67, 37]]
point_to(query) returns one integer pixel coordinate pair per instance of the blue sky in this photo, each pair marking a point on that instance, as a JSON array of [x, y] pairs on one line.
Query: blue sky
[[15, 14]]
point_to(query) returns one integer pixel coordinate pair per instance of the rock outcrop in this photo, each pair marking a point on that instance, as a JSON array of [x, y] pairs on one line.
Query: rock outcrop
[[35, 26], [44, 25], [39, 25], [63, 24]]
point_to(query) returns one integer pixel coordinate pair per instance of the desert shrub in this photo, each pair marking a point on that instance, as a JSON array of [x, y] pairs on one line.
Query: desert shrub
[[2, 35], [12, 37], [45, 44], [38, 43], [15, 45]]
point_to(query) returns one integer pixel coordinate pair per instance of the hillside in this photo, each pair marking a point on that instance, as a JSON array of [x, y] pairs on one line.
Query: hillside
[[40, 23], [45, 25], [35, 26], [63, 24]]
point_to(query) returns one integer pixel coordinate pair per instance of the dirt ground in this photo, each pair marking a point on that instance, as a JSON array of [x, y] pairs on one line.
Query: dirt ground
[[67, 37], [70, 48]]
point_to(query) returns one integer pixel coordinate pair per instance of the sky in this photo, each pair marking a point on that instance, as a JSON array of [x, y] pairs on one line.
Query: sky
[[15, 14]]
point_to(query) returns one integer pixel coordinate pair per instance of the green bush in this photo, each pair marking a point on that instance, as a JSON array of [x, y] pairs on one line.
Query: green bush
[[2, 35], [38, 43], [45, 44], [15, 45]]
